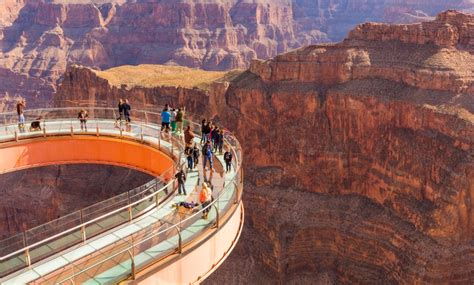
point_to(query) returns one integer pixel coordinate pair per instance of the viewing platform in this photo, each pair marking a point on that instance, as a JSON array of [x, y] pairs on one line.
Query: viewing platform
[[138, 236]]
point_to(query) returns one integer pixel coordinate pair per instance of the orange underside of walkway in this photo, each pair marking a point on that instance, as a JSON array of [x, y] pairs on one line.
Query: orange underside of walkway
[[84, 149]]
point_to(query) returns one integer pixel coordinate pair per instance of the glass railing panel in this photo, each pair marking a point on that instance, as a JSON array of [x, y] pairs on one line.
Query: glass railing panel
[[13, 263], [150, 249], [114, 268], [52, 228], [12, 244], [153, 117], [55, 245], [193, 225], [104, 207], [163, 243], [106, 223], [141, 206]]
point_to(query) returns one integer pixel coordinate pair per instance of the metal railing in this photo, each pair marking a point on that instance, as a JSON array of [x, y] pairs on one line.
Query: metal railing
[[165, 238], [172, 234], [21, 250]]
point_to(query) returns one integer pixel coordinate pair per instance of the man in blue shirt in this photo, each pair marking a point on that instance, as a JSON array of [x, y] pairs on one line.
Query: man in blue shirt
[[165, 119]]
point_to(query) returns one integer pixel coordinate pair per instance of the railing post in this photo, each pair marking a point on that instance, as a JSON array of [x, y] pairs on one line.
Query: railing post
[[141, 133], [171, 140], [16, 135], [120, 131], [97, 128], [44, 128], [83, 228], [237, 193], [217, 216], [28, 257], [130, 214], [159, 139], [180, 241], [146, 118], [132, 263], [72, 130]]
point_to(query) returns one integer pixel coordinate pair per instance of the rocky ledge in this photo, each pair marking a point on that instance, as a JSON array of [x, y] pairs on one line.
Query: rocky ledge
[[359, 156]]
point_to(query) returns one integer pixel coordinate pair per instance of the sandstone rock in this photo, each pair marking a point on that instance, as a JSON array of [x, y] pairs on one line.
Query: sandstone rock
[[359, 156], [39, 39]]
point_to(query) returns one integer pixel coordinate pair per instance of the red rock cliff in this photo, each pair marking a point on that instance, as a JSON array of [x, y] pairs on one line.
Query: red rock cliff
[[359, 157], [39, 39]]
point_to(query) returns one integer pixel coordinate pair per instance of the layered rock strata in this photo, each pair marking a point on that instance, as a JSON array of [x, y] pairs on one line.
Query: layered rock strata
[[359, 156], [39, 39]]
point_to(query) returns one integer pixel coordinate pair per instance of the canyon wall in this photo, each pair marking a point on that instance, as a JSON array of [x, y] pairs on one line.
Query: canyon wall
[[39, 39], [36, 196], [359, 156]]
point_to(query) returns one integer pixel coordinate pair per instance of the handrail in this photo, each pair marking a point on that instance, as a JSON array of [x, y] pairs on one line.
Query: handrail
[[85, 223], [234, 182], [148, 185], [170, 227]]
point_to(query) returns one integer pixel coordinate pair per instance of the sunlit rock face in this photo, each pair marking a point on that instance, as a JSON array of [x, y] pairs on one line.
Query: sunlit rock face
[[359, 158], [39, 39], [35, 196]]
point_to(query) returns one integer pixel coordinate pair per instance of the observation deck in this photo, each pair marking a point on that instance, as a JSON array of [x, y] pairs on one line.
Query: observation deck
[[135, 237]]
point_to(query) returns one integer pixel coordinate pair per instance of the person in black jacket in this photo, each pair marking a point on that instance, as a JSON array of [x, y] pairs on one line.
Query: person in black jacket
[[196, 155], [126, 111], [120, 110], [215, 138], [228, 160], [181, 178], [203, 130]]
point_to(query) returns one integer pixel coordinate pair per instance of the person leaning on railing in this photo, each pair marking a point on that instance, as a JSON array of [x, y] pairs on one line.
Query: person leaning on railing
[[83, 116]]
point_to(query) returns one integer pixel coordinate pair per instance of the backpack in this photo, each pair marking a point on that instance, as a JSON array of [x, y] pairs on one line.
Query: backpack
[[203, 196], [206, 150]]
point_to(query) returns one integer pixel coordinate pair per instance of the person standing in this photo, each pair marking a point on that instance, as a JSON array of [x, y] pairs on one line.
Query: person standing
[[188, 137], [228, 160], [181, 178], [215, 138], [127, 111], [196, 154], [119, 119], [165, 119], [173, 120], [203, 130], [20, 109], [207, 131], [205, 198], [179, 121], [221, 141], [189, 158], [83, 116], [207, 155]]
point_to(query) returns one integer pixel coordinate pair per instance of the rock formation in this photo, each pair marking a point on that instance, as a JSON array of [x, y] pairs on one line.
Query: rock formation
[[39, 39], [36, 196], [359, 156]]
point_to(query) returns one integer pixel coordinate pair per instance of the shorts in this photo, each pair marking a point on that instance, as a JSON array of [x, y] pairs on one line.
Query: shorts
[[165, 125]]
